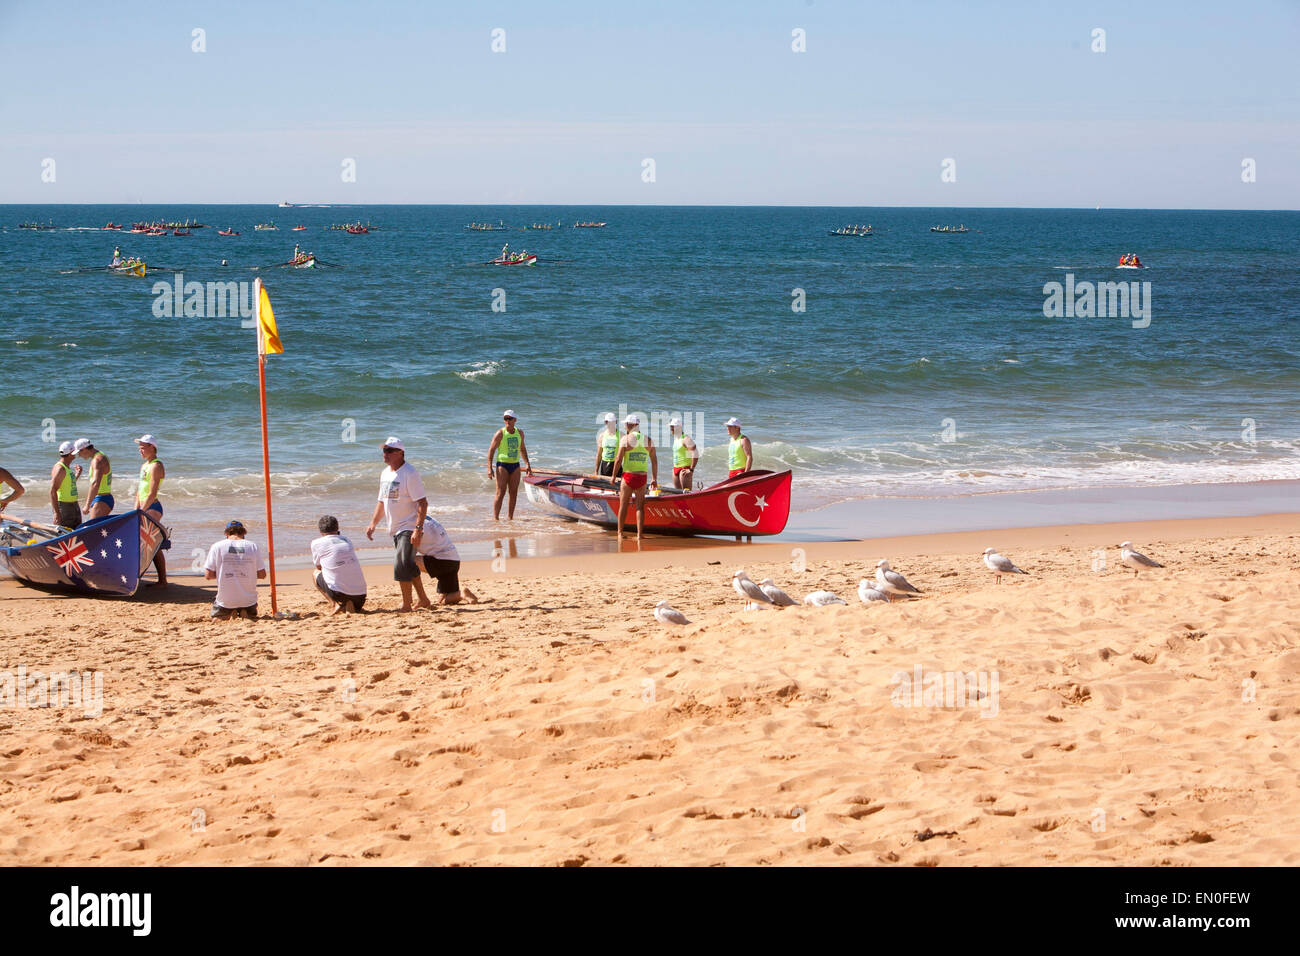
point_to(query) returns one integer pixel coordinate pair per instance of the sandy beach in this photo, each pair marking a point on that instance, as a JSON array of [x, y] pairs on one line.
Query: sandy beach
[[1147, 721]]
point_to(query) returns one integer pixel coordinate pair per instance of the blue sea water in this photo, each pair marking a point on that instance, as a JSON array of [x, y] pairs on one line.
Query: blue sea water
[[922, 364]]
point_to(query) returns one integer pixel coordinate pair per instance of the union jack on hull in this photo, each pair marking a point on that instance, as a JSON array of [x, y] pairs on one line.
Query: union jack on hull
[[36, 557]]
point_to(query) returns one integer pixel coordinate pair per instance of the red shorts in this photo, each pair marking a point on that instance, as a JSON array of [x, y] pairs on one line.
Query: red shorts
[[677, 471], [634, 479], [735, 471]]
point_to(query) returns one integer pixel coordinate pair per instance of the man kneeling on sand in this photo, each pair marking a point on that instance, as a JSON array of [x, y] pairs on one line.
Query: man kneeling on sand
[[442, 561], [236, 565], [338, 572]]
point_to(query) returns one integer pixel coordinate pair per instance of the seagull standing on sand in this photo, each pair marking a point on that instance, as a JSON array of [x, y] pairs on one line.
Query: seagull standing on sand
[[667, 615], [999, 565], [868, 593], [747, 589], [823, 598], [1136, 559], [775, 594], [891, 582]]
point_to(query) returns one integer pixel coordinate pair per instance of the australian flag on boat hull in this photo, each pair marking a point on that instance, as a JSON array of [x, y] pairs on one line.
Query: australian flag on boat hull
[[105, 556]]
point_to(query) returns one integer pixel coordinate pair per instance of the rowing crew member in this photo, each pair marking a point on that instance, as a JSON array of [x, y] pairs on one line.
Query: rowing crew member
[[685, 455], [64, 501], [6, 478], [152, 474], [633, 452], [607, 440], [99, 496], [117, 256], [503, 463], [740, 456]]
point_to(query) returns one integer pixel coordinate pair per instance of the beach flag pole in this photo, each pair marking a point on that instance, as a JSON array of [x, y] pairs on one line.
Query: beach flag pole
[[268, 343]]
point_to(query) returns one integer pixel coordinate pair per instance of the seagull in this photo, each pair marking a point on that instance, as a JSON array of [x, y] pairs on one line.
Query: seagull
[[1000, 565], [891, 582], [823, 598], [1136, 559], [775, 594], [667, 615], [747, 589], [868, 593]]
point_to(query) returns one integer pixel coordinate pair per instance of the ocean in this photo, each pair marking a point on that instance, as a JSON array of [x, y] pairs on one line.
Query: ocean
[[908, 364]]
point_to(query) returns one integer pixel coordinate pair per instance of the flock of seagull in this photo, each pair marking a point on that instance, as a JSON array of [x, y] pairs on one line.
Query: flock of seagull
[[888, 584]]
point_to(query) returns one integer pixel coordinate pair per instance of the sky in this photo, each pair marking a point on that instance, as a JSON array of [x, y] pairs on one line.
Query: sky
[[284, 94]]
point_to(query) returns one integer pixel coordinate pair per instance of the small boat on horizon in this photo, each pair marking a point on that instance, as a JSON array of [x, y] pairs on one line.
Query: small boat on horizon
[[949, 230], [112, 225], [266, 227], [298, 228], [181, 232], [754, 503], [590, 225], [227, 232]]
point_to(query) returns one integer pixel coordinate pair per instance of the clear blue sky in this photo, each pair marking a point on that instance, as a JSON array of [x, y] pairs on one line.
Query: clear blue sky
[[710, 90]]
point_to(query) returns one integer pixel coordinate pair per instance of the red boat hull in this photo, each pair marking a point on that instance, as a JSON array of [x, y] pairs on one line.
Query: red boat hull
[[755, 503]]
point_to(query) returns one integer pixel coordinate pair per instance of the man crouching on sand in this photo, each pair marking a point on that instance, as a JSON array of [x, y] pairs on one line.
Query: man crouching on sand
[[236, 565], [442, 561], [338, 572]]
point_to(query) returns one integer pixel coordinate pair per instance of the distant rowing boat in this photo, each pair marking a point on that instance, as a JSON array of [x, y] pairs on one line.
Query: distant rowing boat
[[515, 259], [949, 230], [266, 227]]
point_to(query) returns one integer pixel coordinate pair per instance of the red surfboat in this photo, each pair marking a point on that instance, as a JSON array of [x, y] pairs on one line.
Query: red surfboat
[[755, 503]]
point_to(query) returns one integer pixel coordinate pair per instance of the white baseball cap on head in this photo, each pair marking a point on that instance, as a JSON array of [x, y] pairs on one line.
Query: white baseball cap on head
[[67, 448], [147, 439], [632, 420], [611, 417], [733, 421], [81, 443], [674, 421], [396, 443], [509, 413]]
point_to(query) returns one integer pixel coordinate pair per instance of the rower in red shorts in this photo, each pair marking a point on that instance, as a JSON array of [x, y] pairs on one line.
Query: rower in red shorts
[[741, 454], [636, 456]]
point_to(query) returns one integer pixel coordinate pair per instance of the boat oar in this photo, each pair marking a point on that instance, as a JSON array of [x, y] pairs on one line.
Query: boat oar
[[34, 525]]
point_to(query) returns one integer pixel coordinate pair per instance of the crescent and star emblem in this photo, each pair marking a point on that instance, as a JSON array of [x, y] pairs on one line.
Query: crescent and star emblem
[[760, 502]]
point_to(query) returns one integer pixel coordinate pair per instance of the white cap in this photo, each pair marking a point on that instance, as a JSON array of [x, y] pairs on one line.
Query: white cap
[[394, 443], [67, 448], [147, 439], [81, 443], [733, 421], [509, 413], [611, 417], [632, 420], [674, 421]]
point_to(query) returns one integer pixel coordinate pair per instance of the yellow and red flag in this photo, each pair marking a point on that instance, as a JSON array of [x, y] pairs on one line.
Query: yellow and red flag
[[268, 336]]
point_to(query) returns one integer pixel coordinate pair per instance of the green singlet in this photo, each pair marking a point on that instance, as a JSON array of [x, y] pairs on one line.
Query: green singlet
[[681, 454], [738, 452], [608, 446], [636, 458], [143, 491], [508, 450], [68, 490]]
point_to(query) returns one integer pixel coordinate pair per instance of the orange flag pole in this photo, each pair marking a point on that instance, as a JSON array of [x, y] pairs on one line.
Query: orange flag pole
[[268, 339], [266, 476]]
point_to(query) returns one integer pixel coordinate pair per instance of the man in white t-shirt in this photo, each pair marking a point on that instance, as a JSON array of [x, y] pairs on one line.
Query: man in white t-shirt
[[401, 496], [338, 575], [442, 561], [236, 565]]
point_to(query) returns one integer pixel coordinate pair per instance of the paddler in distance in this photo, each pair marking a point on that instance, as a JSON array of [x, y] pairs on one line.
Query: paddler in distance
[[636, 456], [740, 454], [99, 496], [685, 455], [503, 463], [607, 440]]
